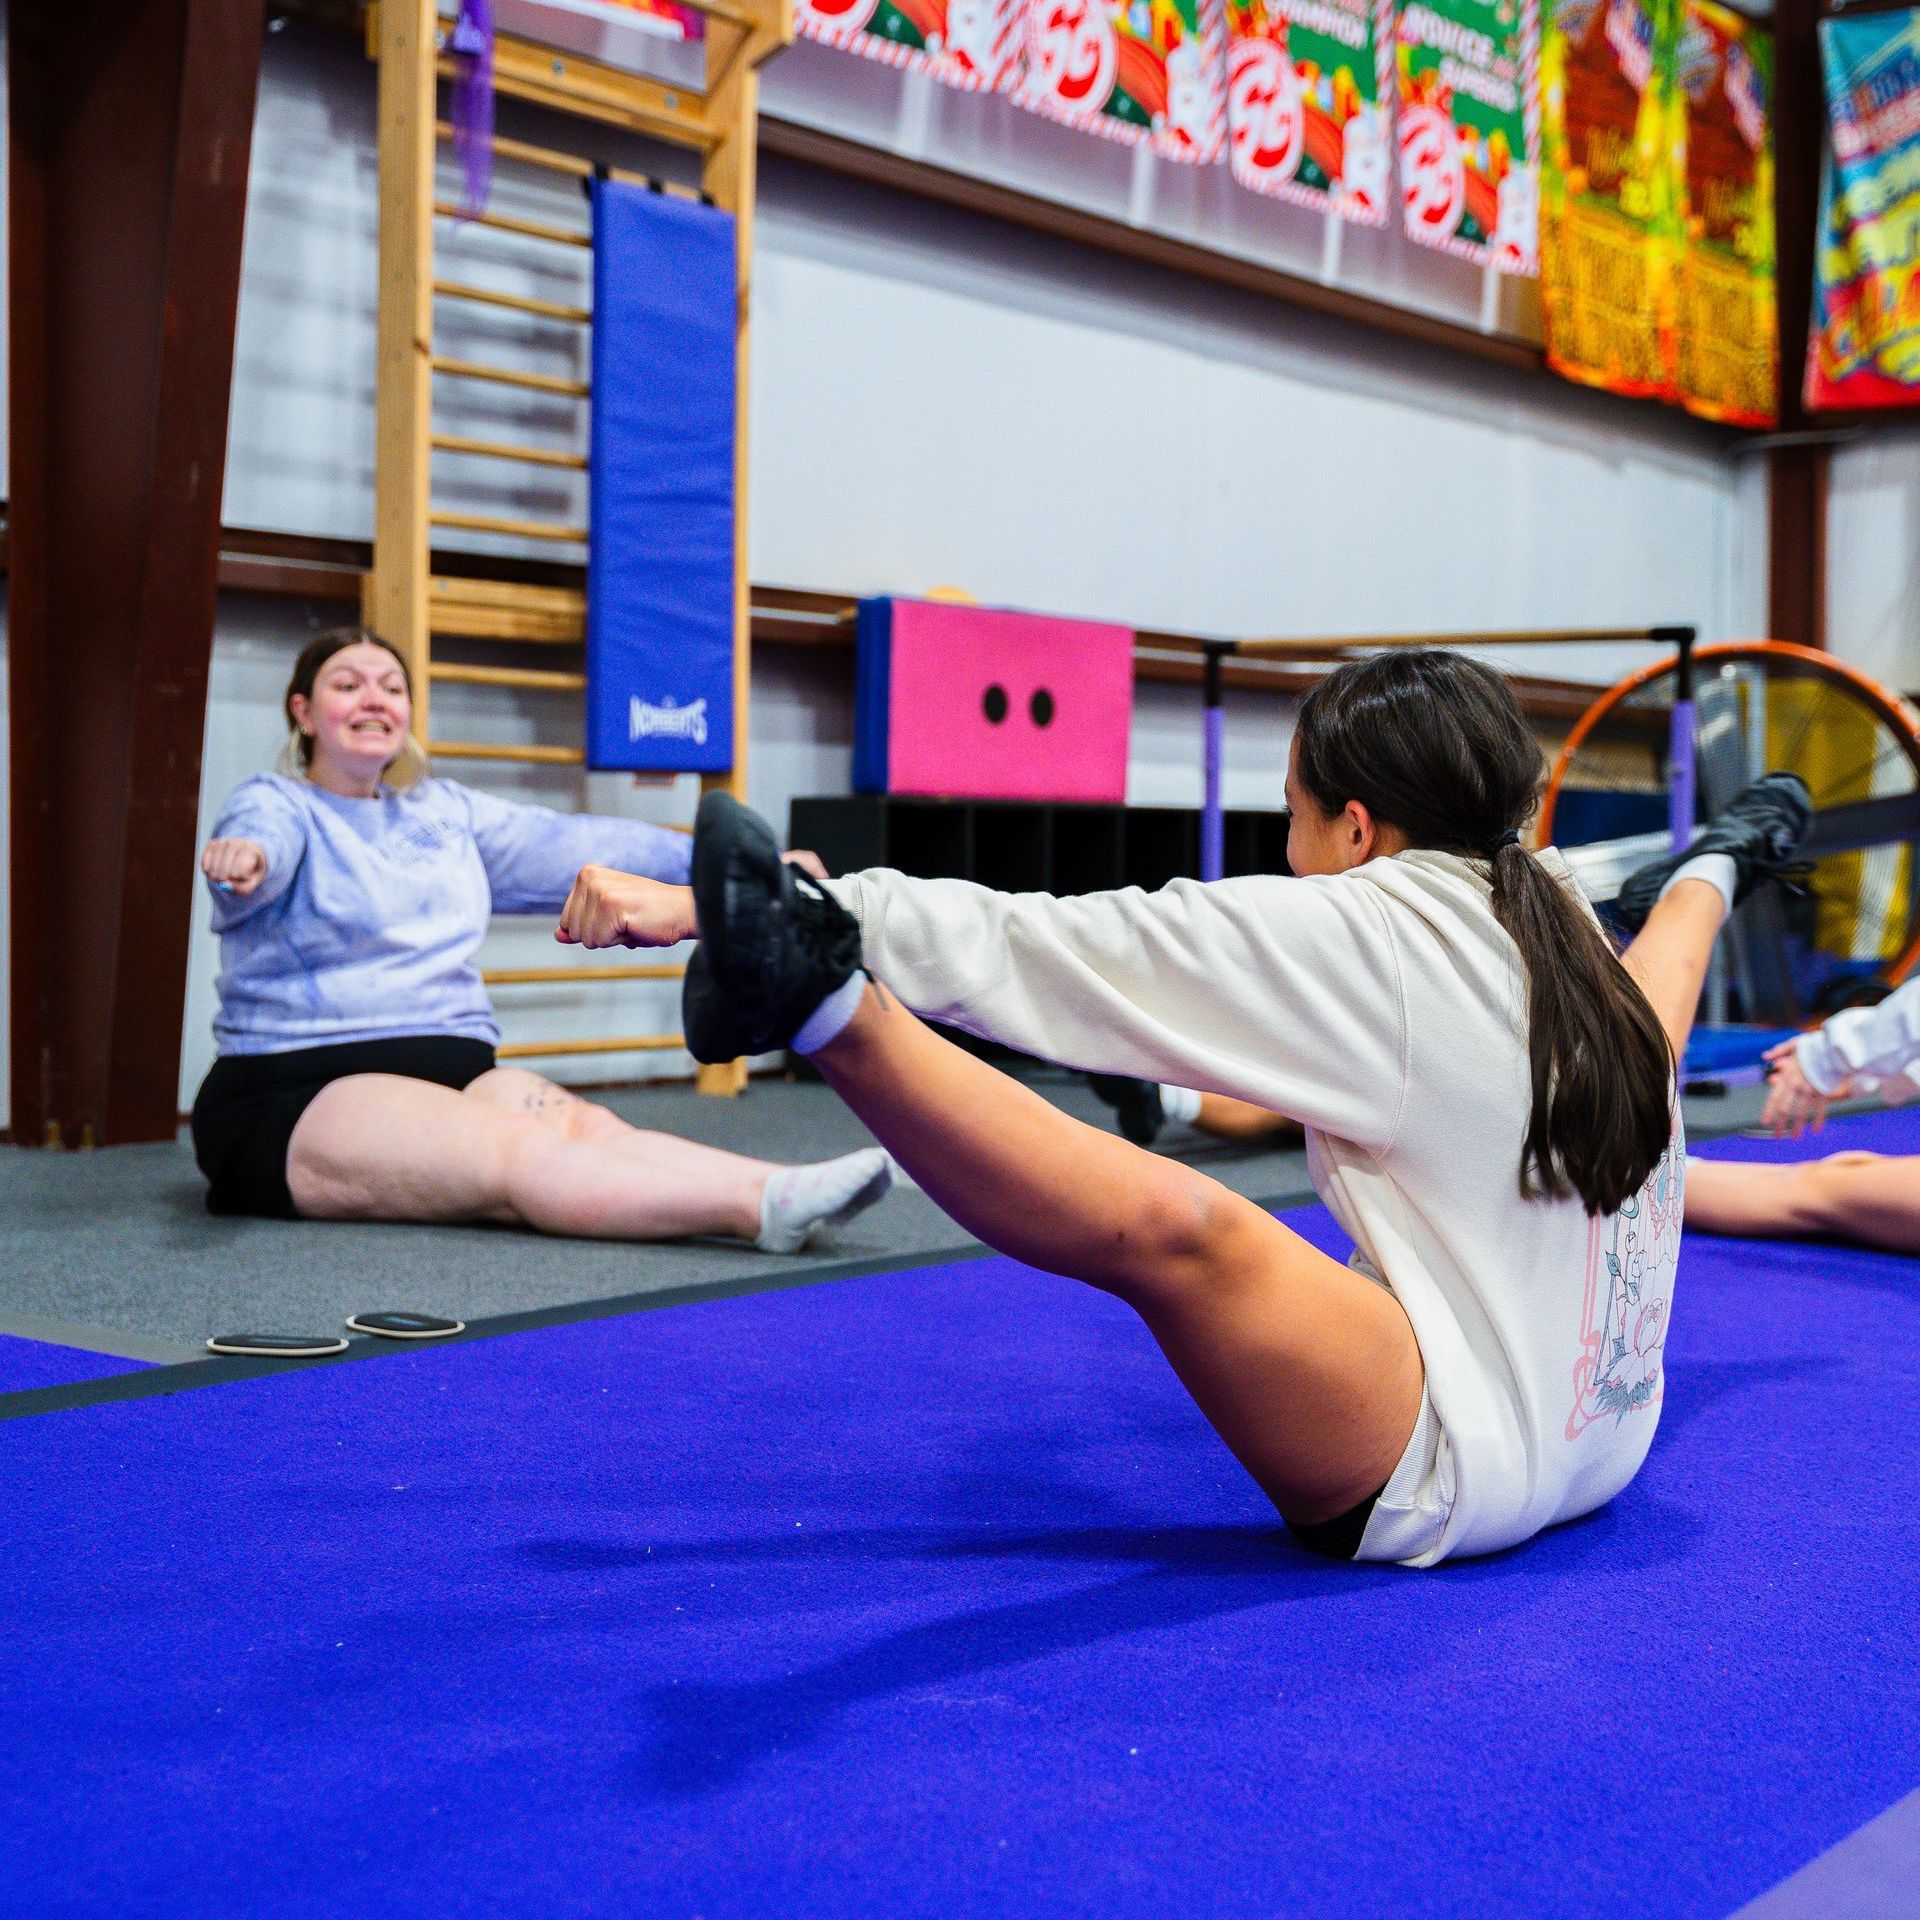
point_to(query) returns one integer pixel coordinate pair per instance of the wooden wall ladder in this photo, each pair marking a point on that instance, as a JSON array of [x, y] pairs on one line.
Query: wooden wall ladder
[[404, 600]]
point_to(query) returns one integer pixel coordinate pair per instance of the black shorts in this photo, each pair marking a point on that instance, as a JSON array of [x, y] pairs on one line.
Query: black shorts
[[1338, 1538], [248, 1106]]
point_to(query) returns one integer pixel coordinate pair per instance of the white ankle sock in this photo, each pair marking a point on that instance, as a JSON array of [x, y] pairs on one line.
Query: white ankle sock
[[1716, 869], [1181, 1105], [829, 1019], [799, 1201]]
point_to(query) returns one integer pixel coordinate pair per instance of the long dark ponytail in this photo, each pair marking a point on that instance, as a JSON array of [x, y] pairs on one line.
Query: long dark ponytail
[[1434, 744]]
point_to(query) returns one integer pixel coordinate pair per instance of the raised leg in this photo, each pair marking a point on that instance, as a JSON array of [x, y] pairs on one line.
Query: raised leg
[[1669, 955], [1310, 1373], [1865, 1197]]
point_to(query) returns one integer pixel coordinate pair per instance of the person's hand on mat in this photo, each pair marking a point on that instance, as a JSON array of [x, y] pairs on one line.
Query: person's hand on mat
[[1793, 1101], [611, 909], [237, 865], [807, 863]]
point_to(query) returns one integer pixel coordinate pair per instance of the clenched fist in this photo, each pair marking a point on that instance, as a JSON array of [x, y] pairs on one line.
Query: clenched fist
[[237, 865], [608, 908]]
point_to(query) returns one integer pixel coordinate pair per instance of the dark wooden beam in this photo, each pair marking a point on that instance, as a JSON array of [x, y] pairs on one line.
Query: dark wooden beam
[[130, 124]]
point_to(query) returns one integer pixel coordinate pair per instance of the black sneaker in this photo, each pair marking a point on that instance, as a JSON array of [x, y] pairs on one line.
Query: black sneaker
[[1760, 829], [1136, 1105], [773, 944]]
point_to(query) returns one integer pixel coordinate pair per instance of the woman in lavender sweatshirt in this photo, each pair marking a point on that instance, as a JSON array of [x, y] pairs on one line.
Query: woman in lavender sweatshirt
[[356, 1077]]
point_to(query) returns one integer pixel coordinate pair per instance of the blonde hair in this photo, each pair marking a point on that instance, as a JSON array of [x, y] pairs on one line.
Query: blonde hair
[[406, 769]]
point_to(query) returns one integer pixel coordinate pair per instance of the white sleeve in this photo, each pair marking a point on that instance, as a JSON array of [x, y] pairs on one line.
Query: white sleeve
[[1279, 991], [1876, 1043]]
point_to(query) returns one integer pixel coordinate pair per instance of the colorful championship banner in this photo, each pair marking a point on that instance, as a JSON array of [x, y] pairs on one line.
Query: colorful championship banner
[[1469, 128], [1149, 71], [1728, 323], [973, 44], [1309, 91], [1609, 209], [1864, 349]]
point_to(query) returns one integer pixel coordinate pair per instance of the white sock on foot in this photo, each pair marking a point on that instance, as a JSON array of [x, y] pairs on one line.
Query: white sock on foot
[[1716, 869], [799, 1201], [829, 1019], [1181, 1105]]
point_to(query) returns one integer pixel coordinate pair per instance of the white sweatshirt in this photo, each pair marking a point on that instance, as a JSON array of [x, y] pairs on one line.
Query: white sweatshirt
[[1384, 1009], [1871, 1047]]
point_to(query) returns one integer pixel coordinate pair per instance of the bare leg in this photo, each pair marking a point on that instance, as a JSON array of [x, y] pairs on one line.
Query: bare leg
[[1669, 956], [1229, 1119], [1310, 1373], [1864, 1197], [378, 1147], [515, 1090]]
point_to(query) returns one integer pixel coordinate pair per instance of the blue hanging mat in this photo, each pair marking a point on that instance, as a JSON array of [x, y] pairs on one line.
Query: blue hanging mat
[[660, 580]]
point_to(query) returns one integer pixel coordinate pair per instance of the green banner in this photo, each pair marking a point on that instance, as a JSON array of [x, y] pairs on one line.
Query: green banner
[[1467, 74]]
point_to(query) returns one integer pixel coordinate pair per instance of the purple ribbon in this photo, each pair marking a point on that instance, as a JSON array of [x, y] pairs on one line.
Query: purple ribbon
[[471, 44]]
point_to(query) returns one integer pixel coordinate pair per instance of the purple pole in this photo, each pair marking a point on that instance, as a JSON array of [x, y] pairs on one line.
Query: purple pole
[[1680, 777], [1680, 747], [1213, 822]]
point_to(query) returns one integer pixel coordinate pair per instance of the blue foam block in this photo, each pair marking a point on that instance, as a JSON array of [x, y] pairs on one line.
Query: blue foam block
[[931, 1594], [660, 576]]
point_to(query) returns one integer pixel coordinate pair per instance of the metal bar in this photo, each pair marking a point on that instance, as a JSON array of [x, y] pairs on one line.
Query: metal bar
[[539, 678], [506, 223], [1538, 637], [520, 529], [515, 302], [486, 750], [568, 976], [507, 450], [508, 377], [1862, 824], [642, 1043]]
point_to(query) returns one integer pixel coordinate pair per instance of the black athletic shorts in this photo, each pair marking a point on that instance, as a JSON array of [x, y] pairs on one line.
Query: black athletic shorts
[[248, 1106], [1338, 1538]]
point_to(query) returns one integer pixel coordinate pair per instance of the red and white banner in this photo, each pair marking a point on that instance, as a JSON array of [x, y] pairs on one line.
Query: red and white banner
[[1309, 92], [972, 44], [1152, 72]]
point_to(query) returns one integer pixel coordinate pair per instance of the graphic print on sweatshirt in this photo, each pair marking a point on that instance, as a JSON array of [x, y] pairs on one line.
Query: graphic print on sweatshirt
[[1630, 1262]]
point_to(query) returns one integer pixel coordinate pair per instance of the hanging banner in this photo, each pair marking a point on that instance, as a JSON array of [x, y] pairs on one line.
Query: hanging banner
[[973, 44], [1147, 71], [1864, 349], [1308, 89], [1728, 327], [1469, 128], [1609, 204]]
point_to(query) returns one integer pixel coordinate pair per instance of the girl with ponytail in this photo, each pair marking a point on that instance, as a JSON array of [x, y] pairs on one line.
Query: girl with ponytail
[[1487, 1089]]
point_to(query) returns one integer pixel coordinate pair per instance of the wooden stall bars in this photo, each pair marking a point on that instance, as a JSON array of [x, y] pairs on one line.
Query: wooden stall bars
[[403, 598]]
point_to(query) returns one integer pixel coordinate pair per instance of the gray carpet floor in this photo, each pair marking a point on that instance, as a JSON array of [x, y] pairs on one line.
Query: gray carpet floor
[[115, 1251]]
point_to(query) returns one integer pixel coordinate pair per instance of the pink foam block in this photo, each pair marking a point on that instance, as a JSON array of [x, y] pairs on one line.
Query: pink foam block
[[989, 705]]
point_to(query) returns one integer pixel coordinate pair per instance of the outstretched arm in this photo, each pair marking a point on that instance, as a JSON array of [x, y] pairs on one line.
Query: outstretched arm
[[1872, 1043], [532, 854], [258, 843], [1282, 992]]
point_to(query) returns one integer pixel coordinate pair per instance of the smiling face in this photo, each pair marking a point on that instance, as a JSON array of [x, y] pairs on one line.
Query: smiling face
[[356, 717]]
